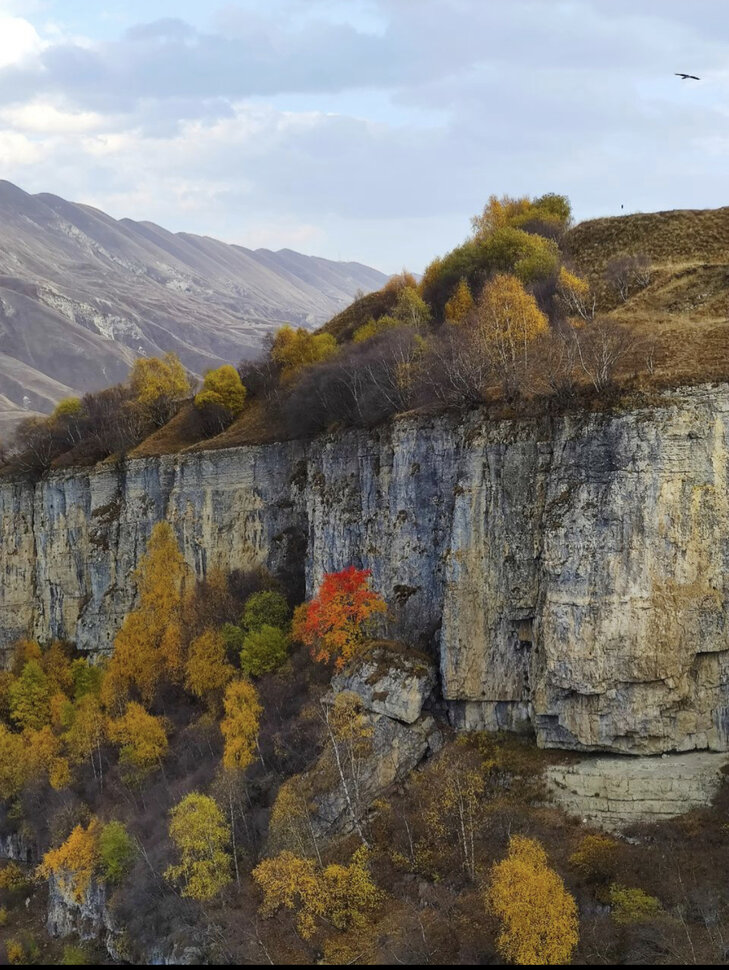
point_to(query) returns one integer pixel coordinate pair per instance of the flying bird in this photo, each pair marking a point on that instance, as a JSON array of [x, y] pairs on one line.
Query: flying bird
[[685, 77]]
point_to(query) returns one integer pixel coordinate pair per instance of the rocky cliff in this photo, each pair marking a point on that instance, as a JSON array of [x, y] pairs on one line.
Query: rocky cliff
[[569, 572]]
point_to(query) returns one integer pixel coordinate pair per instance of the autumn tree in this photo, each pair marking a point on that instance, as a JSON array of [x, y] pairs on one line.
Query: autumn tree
[[374, 327], [293, 350], [13, 763], [576, 295], [158, 385], [30, 696], [460, 304], [207, 670], [86, 732], [240, 724], [507, 321], [142, 741], [411, 309], [291, 824], [334, 625], [222, 397], [74, 863], [341, 896], [201, 836], [148, 647], [350, 733], [537, 915]]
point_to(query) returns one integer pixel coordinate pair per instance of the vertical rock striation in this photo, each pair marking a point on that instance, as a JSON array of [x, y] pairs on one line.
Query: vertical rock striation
[[570, 573]]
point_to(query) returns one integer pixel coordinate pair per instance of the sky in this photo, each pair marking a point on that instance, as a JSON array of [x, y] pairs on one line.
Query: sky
[[369, 130]]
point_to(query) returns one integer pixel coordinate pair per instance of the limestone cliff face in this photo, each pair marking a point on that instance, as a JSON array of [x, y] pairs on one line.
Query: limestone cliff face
[[571, 573]]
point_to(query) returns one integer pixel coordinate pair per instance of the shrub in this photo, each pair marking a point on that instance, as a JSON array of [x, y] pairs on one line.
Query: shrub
[[266, 608], [632, 905], [264, 650], [222, 397], [595, 858], [116, 850]]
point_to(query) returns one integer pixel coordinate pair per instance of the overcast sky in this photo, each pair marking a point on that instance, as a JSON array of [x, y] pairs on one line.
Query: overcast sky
[[363, 129]]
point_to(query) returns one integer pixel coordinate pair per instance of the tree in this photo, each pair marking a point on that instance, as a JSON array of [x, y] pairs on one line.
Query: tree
[[265, 608], [373, 328], [508, 320], [74, 863], [291, 824], [411, 309], [158, 385], [142, 740], [538, 917], [13, 763], [30, 697], [625, 274], [263, 650], [200, 835], [350, 734], [633, 905], [575, 294], [293, 350], [207, 670], [343, 896], [335, 623], [117, 851], [460, 304], [222, 397], [596, 858], [86, 732], [149, 644], [240, 724]]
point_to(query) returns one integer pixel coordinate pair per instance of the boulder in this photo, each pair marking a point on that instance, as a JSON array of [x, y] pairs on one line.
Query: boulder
[[391, 679]]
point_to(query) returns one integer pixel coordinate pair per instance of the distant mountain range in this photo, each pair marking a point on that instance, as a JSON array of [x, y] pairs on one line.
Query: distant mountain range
[[82, 294]]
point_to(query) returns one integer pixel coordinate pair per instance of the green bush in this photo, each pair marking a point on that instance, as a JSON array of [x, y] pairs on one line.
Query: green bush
[[117, 851], [267, 608], [264, 650], [632, 905]]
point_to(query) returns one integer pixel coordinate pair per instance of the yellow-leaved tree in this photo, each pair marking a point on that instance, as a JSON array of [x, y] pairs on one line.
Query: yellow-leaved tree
[[158, 385], [222, 396], [240, 725], [198, 829], [207, 670], [460, 304], [75, 862], [576, 295], [30, 697], [537, 915], [340, 896], [507, 321], [142, 741], [292, 350], [149, 645]]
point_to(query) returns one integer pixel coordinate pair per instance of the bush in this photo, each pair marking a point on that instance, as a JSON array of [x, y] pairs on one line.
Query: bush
[[266, 608], [116, 851], [221, 399], [632, 905], [264, 650]]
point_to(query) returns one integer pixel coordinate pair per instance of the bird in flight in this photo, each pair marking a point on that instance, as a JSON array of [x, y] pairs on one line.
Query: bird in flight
[[685, 77]]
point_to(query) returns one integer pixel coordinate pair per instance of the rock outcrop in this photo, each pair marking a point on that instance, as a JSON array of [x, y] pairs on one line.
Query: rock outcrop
[[570, 573], [391, 680], [615, 793]]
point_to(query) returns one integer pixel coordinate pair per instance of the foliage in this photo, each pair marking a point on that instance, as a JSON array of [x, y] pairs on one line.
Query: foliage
[[68, 407], [632, 905], [75, 862], [265, 608], [222, 397], [335, 623], [142, 740], [508, 320], [148, 646], [537, 915], [576, 295], [373, 328], [263, 650], [29, 697], [158, 385], [595, 857], [13, 763], [240, 724], [293, 350], [117, 851], [12, 877], [344, 896], [460, 304], [207, 669], [411, 309], [545, 211], [200, 834], [74, 956]]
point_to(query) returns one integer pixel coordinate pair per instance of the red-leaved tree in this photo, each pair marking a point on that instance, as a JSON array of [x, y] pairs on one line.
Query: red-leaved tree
[[334, 624]]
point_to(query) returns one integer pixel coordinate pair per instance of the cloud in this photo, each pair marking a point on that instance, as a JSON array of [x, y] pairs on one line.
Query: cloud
[[372, 129]]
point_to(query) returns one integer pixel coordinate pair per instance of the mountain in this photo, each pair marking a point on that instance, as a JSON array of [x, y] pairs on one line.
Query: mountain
[[82, 294]]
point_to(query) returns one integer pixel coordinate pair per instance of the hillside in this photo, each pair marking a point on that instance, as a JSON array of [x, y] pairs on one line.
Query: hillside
[[81, 294]]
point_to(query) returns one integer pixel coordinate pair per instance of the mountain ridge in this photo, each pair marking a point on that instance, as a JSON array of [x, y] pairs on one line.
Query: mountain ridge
[[82, 294]]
